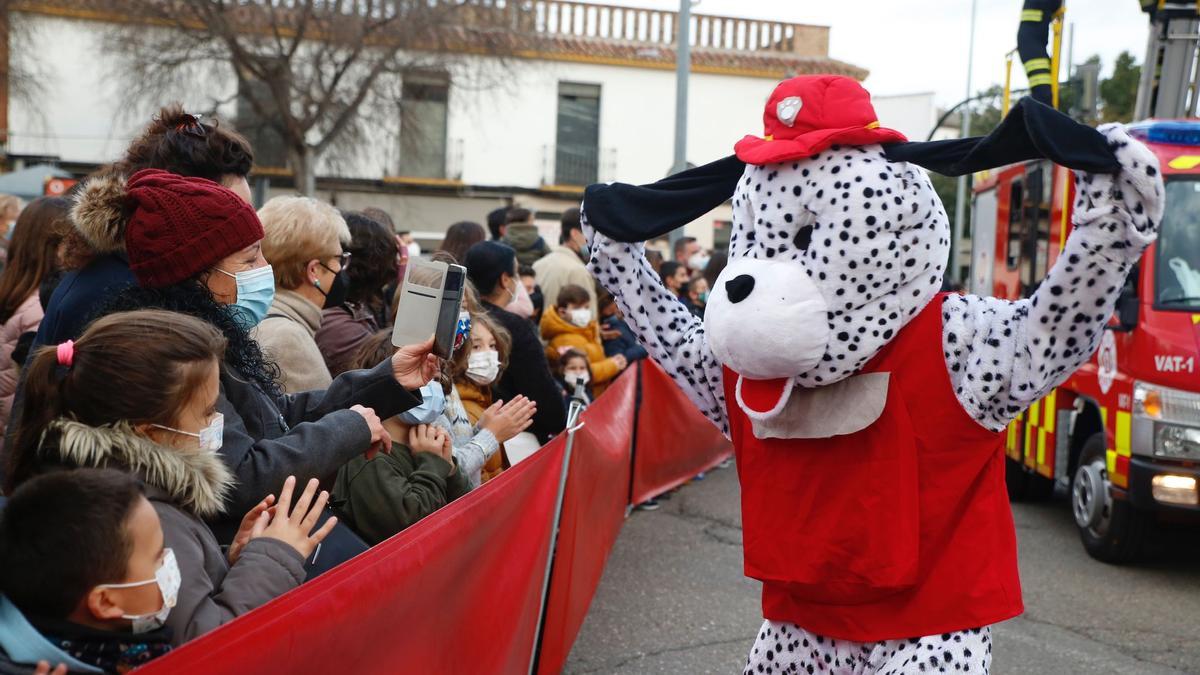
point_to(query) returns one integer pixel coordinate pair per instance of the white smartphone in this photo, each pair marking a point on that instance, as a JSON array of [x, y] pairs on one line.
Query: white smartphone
[[430, 302]]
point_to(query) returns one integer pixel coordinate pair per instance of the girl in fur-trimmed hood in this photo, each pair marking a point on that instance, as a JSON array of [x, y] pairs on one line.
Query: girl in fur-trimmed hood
[[138, 393]]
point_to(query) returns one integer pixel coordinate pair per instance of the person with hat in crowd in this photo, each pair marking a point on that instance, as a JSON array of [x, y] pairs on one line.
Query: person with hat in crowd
[[174, 141], [96, 270], [195, 247], [523, 236], [304, 243], [492, 268]]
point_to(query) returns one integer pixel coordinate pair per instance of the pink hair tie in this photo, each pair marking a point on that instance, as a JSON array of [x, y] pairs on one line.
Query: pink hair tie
[[66, 353]]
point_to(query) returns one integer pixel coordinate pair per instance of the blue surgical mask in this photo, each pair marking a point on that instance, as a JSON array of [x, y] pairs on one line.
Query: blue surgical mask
[[255, 293], [433, 404]]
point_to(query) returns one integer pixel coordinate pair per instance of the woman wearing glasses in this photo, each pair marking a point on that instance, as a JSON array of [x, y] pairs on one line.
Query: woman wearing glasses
[[304, 241]]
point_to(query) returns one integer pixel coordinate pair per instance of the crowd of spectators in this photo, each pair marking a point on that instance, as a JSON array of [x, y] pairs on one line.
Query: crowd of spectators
[[203, 408]]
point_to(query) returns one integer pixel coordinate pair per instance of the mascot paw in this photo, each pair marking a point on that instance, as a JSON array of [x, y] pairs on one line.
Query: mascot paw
[[1136, 192]]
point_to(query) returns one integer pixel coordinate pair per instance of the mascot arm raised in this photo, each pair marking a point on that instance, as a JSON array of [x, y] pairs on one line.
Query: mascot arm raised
[[669, 332], [1004, 355]]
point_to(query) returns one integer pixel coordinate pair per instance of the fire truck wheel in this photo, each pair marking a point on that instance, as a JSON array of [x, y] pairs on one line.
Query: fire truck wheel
[[1111, 530]]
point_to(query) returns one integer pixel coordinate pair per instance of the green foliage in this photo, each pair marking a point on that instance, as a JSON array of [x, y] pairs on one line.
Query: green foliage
[[1118, 92]]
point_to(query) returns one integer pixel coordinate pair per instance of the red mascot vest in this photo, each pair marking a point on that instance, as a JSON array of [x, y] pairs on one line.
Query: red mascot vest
[[900, 530]]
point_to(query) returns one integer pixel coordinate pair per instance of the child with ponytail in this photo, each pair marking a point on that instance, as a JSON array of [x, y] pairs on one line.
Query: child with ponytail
[[138, 393]]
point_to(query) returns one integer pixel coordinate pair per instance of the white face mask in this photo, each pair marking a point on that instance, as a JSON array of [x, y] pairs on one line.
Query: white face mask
[[169, 580], [577, 377], [580, 317], [483, 366], [699, 262], [210, 436]]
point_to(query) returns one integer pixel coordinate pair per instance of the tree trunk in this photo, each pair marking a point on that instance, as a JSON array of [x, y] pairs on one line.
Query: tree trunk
[[304, 170]]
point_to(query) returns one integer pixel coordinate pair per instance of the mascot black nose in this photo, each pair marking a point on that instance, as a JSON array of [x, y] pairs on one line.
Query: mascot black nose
[[739, 287]]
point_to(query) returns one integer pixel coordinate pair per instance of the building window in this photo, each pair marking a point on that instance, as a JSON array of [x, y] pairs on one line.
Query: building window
[[577, 153], [1016, 224], [269, 148], [423, 117]]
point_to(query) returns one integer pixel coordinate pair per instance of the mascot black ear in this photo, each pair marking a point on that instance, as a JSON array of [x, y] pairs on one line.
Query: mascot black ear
[[636, 213], [1031, 130]]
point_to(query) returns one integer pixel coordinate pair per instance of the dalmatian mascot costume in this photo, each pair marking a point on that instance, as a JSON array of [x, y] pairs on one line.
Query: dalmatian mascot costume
[[865, 407]]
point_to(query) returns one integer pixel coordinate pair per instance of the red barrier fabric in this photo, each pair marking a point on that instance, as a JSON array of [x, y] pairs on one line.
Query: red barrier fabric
[[674, 440], [459, 593], [592, 514]]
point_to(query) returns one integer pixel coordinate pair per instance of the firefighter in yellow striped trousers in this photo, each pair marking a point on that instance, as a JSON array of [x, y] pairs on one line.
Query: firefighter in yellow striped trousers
[[1031, 45]]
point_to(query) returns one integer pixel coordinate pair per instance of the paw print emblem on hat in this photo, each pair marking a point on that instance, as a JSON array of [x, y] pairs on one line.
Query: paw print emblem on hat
[[788, 108]]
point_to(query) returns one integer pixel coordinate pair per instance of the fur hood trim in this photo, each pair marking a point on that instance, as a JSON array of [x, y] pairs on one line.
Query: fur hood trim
[[101, 212], [197, 481]]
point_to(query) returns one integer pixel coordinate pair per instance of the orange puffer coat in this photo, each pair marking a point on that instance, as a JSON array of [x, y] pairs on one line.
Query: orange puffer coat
[[561, 334], [475, 400]]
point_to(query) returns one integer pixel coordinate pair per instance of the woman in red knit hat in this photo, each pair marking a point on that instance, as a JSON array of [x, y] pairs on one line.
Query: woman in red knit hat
[[195, 247]]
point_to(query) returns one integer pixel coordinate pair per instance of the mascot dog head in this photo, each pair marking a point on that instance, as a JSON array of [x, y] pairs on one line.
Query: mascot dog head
[[838, 235]]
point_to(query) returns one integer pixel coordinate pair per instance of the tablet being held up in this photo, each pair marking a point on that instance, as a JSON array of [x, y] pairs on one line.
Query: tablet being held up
[[430, 302]]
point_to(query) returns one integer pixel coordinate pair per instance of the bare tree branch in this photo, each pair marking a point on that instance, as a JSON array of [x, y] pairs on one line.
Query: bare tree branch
[[315, 72]]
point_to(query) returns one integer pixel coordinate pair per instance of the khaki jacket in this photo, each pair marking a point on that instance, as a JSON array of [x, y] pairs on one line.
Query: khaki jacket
[[287, 338]]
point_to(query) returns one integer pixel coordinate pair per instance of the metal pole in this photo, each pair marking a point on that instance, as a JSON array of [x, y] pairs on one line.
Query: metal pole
[[558, 506], [960, 201], [683, 61]]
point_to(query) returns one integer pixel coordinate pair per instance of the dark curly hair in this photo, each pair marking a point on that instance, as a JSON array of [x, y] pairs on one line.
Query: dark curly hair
[[373, 260], [181, 143], [193, 298], [178, 142]]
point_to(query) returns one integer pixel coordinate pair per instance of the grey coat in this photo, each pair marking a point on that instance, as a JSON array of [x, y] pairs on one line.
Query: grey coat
[[306, 435], [184, 488]]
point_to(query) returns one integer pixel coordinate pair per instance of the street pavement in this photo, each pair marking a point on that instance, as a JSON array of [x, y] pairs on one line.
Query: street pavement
[[673, 599]]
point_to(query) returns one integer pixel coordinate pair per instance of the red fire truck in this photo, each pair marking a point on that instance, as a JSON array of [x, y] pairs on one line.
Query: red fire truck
[[1122, 435]]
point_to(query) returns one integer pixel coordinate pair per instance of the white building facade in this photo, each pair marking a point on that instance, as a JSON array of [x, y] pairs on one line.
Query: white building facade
[[533, 131]]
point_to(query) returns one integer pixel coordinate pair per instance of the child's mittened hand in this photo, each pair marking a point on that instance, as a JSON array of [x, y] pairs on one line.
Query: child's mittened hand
[[293, 528]]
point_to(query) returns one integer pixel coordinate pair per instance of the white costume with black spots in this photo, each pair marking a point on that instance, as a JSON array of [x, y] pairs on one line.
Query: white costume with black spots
[[782, 648], [845, 247]]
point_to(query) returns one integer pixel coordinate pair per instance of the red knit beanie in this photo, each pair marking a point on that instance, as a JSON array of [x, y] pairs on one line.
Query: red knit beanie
[[180, 226]]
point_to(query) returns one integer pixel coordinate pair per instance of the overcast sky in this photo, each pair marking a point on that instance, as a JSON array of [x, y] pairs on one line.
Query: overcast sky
[[921, 45]]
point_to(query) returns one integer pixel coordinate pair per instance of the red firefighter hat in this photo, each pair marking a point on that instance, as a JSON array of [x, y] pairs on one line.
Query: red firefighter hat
[[806, 115]]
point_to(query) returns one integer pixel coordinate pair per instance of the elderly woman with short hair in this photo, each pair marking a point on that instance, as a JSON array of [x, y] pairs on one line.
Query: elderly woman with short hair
[[304, 243]]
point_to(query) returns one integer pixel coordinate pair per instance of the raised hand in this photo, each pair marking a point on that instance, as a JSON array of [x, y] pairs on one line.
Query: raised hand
[[253, 522], [415, 365], [510, 419], [294, 527]]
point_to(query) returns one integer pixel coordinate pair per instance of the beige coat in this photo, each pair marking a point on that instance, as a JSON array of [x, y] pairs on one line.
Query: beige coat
[[25, 319], [560, 268], [287, 338]]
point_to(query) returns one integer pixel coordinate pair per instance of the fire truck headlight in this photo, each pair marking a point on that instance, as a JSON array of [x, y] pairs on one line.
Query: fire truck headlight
[[1177, 442], [1152, 401], [1173, 489]]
